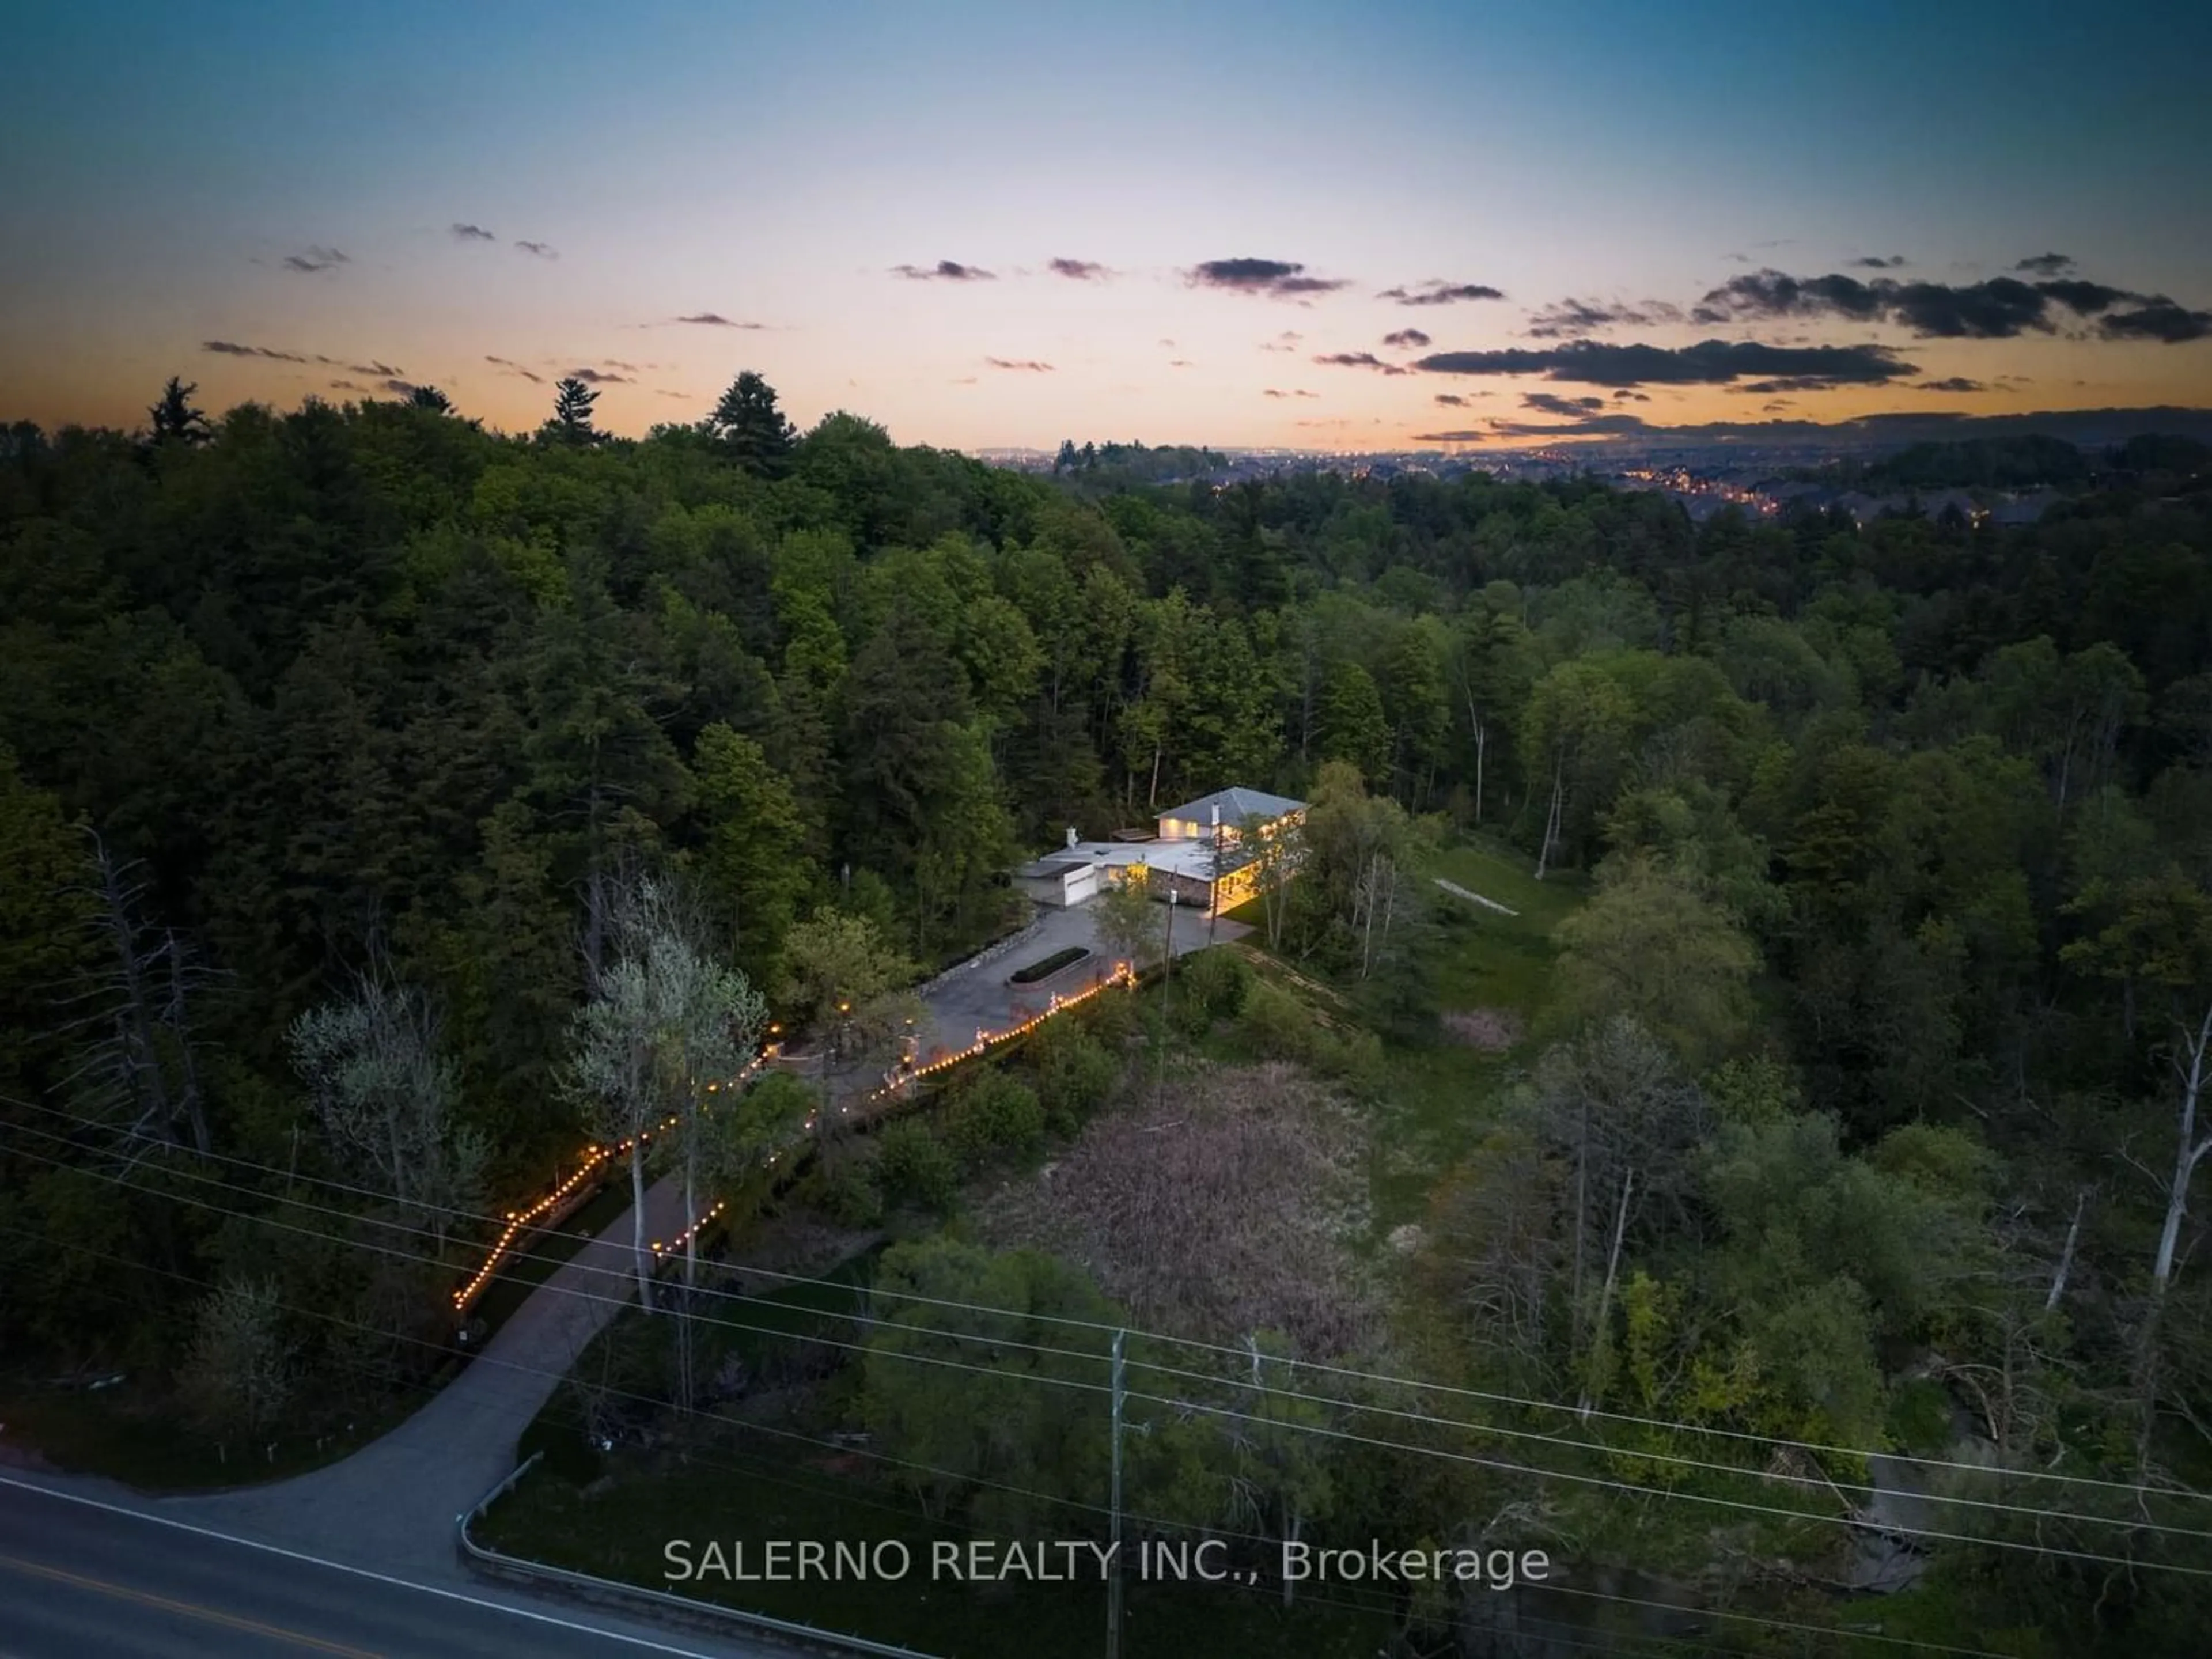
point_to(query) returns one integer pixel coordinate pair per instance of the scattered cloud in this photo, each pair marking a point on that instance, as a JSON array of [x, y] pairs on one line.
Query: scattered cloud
[[1451, 399], [1435, 293], [1079, 270], [715, 319], [1284, 279], [472, 233], [516, 369], [965, 380], [1447, 437], [1026, 365], [1996, 308], [944, 270], [1709, 362], [373, 369], [1591, 426], [1360, 360], [2157, 318], [1286, 341], [1407, 339], [400, 388], [232, 348], [1627, 397], [2046, 264], [1181, 363], [1272, 392], [1550, 402], [1955, 383], [1571, 318], [598, 377], [1785, 383], [616, 362], [1775, 407], [316, 258], [346, 386], [1877, 262], [540, 250], [659, 392]]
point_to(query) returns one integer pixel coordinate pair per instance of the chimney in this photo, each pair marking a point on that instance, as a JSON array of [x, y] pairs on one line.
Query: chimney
[[1072, 836], [1217, 815]]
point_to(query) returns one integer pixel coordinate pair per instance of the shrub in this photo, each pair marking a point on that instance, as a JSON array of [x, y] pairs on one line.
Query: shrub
[[1216, 981], [1074, 1073], [1277, 1024], [913, 1166], [848, 1193], [1048, 966], [997, 1114]]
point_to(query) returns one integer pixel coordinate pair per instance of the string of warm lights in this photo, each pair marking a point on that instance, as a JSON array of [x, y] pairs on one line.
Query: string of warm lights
[[903, 1078], [593, 1160], [690, 1233]]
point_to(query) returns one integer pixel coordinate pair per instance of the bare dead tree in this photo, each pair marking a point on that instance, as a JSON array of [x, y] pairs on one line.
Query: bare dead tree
[[137, 1073]]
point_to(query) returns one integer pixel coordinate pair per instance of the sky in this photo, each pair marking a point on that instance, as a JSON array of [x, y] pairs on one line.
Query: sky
[[1348, 226]]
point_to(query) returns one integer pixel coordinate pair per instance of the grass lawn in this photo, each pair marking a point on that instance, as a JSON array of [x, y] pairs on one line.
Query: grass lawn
[[1439, 1099], [523, 1272]]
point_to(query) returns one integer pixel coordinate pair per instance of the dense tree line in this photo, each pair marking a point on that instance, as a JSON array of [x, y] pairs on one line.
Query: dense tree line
[[1900, 927]]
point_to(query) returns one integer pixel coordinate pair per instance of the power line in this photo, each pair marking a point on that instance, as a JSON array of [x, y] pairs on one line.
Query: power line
[[1597, 1448], [1303, 1596], [1231, 1412], [1656, 1491]]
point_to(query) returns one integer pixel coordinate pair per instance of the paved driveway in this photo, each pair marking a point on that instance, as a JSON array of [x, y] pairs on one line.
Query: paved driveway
[[976, 995]]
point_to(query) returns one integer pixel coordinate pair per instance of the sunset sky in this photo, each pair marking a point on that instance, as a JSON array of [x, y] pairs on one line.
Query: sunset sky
[[1183, 211]]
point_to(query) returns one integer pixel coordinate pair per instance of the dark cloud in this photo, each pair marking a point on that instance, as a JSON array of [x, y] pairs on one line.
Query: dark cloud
[[1775, 407], [346, 386], [1407, 339], [1079, 271], [1440, 294], [1360, 360], [616, 362], [1876, 262], [516, 369], [232, 348], [1709, 362], [1028, 366], [1280, 278], [1272, 392], [1571, 318], [2046, 264], [472, 233], [1785, 383], [374, 370], [1955, 383], [316, 258], [1624, 397], [2157, 318], [1550, 402], [715, 319], [944, 270], [598, 377], [1591, 426], [540, 250], [1451, 400], [1999, 308], [400, 388], [1447, 437]]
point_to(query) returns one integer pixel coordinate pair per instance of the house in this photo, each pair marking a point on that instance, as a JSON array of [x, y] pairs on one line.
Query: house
[[1201, 854]]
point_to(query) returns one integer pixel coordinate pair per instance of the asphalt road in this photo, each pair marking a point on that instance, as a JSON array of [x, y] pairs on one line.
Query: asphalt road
[[80, 1577]]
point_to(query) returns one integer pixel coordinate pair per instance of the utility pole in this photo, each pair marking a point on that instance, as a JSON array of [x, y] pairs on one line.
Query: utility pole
[[1167, 987], [1114, 1557]]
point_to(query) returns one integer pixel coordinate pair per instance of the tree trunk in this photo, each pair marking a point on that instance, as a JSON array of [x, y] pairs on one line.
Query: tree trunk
[[1605, 1295], [2188, 1151], [2066, 1256], [691, 1207], [637, 1225], [1551, 818]]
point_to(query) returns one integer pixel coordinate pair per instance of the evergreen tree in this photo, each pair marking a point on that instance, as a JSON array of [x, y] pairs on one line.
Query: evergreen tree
[[430, 398], [571, 413], [174, 418], [750, 429]]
